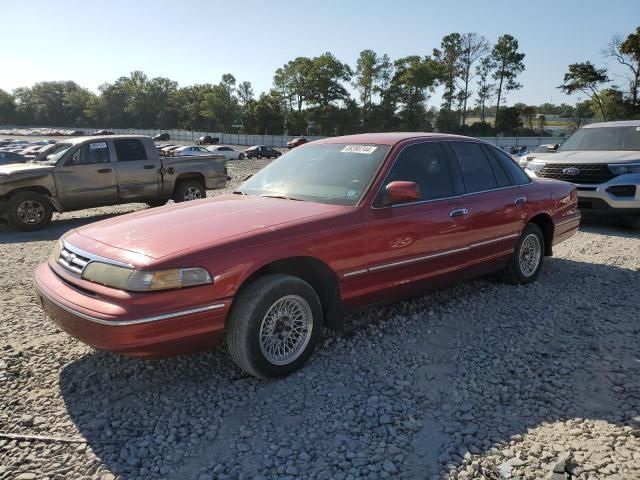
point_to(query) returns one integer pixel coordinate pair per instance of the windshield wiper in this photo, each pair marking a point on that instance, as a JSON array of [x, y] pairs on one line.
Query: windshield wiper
[[238, 192], [278, 195]]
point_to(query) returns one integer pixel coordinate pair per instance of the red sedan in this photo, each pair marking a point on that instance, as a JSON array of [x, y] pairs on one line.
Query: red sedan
[[331, 227]]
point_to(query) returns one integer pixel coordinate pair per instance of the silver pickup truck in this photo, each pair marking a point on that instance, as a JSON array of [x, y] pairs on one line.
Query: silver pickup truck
[[89, 172]]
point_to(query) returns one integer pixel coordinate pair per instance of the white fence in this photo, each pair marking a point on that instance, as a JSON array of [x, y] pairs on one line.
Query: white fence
[[188, 136], [281, 140]]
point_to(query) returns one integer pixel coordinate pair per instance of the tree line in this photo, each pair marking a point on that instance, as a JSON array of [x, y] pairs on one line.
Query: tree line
[[311, 95]]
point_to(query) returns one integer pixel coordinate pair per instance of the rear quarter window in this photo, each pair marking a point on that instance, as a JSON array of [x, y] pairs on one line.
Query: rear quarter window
[[514, 170]]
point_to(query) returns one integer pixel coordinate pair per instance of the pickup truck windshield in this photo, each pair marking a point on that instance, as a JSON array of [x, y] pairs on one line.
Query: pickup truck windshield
[[603, 138], [324, 173]]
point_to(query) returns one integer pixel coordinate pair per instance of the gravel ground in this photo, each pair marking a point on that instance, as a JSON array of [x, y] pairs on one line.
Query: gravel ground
[[483, 380]]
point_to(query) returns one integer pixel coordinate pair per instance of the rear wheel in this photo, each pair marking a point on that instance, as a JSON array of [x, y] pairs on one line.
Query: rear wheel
[[29, 211], [274, 326], [187, 190], [241, 156], [259, 156], [528, 256]]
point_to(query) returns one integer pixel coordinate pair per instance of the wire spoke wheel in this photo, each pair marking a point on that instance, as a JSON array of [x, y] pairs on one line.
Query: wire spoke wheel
[[30, 212], [286, 329], [530, 255]]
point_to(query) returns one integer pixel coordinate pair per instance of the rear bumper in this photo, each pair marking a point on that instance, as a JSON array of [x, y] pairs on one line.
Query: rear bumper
[[154, 336]]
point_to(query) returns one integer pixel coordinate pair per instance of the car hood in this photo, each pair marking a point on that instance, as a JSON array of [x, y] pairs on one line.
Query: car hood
[[158, 232], [584, 156], [14, 168]]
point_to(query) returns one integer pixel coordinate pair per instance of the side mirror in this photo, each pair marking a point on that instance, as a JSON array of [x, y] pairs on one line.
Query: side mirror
[[402, 192]]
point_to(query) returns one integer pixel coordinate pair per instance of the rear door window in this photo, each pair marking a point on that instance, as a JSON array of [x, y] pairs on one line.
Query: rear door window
[[514, 170], [130, 150], [477, 172]]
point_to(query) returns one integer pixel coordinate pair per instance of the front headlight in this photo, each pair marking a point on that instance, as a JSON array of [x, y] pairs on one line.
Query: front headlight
[[125, 278], [535, 166], [621, 168]]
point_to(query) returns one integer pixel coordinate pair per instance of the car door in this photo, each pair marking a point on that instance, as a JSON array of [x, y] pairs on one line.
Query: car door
[[415, 241], [137, 171], [492, 205], [87, 177]]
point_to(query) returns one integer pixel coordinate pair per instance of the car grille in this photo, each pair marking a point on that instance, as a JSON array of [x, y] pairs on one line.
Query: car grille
[[586, 173], [72, 261]]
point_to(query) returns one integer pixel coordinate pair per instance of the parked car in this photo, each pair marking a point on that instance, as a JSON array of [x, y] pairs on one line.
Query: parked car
[[296, 142], [74, 133], [103, 132], [7, 158], [189, 151], [259, 151], [166, 151], [89, 172], [344, 223], [227, 152], [208, 140], [603, 161], [162, 137]]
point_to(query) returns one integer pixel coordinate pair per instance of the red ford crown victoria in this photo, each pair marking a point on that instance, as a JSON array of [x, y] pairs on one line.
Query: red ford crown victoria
[[331, 227]]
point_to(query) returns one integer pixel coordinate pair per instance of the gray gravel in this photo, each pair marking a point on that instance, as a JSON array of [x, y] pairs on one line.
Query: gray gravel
[[483, 380]]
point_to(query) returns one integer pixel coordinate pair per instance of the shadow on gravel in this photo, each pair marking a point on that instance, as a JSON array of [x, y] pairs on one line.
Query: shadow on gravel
[[610, 226], [55, 230], [427, 385]]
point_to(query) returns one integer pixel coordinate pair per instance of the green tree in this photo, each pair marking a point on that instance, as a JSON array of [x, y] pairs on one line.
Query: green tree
[[510, 120], [486, 89], [245, 93], [448, 56], [52, 104], [472, 48], [582, 111], [414, 78], [292, 82], [586, 78], [7, 108], [367, 76], [627, 53], [528, 112], [507, 61]]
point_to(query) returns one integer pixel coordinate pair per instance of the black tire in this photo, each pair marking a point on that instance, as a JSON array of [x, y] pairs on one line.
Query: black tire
[[29, 211], [259, 156], [157, 203], [187, 190], [241, 156], [632, 222], [515, 271], [248, 313]]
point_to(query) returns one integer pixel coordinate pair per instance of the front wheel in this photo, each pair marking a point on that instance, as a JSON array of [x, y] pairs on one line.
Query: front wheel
[[241, 156], [274, 326], [29, 211], [188, 190], [526, 264]]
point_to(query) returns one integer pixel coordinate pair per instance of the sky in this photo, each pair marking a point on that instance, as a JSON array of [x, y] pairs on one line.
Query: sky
[[194, 41]]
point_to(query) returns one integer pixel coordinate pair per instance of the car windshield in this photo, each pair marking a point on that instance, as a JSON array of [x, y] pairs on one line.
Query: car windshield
[[604, 138], [57, 152], [324, 173]]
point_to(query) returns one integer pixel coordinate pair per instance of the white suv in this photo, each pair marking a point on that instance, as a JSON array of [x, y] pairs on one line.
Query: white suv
[[603, 161]]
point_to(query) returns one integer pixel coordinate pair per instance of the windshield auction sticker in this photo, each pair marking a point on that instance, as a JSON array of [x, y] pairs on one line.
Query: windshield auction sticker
[[96, 146], [366, 149]]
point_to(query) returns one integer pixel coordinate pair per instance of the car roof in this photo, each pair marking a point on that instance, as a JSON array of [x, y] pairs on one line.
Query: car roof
[[392, 138], [619, 123], [76, 140]]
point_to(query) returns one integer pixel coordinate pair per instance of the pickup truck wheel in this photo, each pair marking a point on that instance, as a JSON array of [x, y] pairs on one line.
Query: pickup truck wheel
[[29, 211], [188, 190], [157, 203], [528, 256], [274, 326]]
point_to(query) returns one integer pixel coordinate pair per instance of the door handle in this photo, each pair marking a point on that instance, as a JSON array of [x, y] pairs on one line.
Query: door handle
[[459, 212], [104, 170], [148, 167], [520, 201]]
